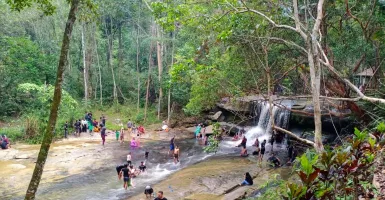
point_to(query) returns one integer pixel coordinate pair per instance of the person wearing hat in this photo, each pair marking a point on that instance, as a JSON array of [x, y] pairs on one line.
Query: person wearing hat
[[148, 191]]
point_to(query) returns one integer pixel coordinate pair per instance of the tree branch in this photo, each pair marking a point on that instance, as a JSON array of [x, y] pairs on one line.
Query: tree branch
[[246, 9], [352, 86], [308, 142], [297, 22]]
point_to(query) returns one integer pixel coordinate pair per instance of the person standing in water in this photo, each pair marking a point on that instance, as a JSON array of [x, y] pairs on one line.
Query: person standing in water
[[263, 148], [256, 143], [243, 145], [125, 172], [146, 155], [176, 154], [272, 140], [103, 133], [172, 145], [119, 168], [129, 157], [121, 134]]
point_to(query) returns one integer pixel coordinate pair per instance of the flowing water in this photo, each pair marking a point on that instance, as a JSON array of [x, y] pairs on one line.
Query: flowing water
[[102, 182], [263, 130]]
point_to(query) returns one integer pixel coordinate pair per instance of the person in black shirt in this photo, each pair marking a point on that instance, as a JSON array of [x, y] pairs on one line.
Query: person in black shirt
[[248, 179], [148, 191], [263, 148], [274, 161], [66, 129], [160, 196], [272, 140], [119, 168], [103, 119], [142, 167], [126, 177], [146, 155]]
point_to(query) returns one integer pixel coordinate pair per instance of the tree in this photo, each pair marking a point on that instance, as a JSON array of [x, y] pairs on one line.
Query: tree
[[48, 136]]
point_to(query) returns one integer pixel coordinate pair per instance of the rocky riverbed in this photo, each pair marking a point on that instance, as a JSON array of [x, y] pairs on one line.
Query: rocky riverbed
[[81, 168]]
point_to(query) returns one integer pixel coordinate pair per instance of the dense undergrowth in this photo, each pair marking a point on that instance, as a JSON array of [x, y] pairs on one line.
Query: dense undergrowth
[[340, 172]]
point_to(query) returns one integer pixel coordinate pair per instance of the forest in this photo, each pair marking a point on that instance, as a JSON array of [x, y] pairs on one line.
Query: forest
[[156, 61]]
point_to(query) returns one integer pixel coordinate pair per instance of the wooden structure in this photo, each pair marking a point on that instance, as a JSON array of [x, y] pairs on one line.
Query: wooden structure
[[365, 78]]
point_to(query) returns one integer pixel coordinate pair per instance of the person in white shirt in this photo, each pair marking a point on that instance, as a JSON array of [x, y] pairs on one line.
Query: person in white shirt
[[129, 159]]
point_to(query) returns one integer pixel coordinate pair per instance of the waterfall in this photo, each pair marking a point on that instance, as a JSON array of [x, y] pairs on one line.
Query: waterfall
[[262, 120]]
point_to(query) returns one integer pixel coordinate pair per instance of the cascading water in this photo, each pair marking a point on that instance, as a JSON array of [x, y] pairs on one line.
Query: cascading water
[[262, 118]]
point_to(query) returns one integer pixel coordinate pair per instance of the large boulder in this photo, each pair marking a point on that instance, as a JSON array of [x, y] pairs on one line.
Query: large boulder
[[216, 116]]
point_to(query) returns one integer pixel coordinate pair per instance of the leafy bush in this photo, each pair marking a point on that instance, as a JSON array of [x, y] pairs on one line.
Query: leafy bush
[[342, 172], [14, 133]]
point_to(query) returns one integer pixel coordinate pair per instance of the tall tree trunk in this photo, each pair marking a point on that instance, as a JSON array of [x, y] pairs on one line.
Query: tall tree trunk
[[48, 136], [110, 57], [137, 59], [315, 75], [85, 68], [150, 64], [169, 88], [99, 69], [160, 69]]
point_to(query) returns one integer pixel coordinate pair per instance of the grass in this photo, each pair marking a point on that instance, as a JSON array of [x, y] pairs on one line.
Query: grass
[[123, 113]]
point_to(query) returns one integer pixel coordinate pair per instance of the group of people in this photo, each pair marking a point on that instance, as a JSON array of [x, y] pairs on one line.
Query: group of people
[[128, 172], [87, 124], [4, 142], [174, 150]]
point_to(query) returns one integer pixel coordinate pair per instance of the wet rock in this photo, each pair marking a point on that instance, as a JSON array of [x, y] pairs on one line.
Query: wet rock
[[17, 166], [23, 156]]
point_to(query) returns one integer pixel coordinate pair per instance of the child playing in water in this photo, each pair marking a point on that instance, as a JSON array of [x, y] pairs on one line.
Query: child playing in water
[[176, 154]]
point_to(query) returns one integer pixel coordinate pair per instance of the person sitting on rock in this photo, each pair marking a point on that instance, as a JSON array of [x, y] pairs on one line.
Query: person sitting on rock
[[274, 161], [248, 179], [4, 143]]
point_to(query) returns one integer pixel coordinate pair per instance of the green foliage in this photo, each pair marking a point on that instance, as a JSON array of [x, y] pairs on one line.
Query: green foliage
[[39, 98], [45, 5], [341, 173], [214, 139]]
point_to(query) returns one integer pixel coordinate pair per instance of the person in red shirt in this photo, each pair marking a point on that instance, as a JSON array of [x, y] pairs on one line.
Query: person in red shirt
[[141, 129]]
